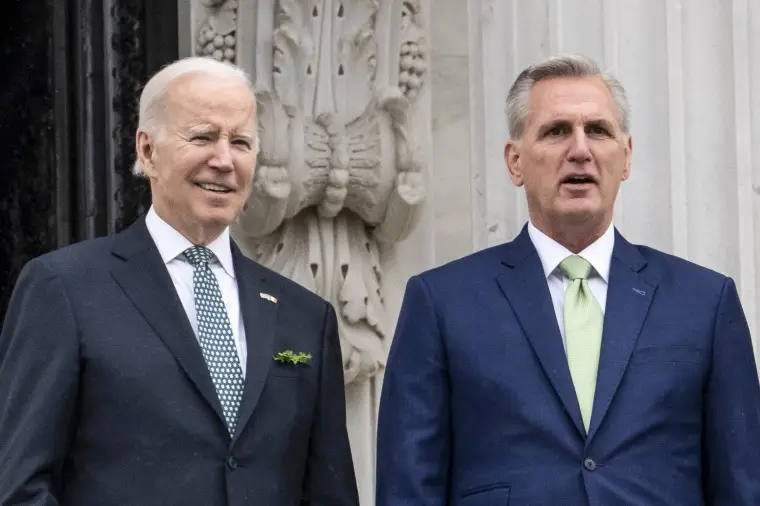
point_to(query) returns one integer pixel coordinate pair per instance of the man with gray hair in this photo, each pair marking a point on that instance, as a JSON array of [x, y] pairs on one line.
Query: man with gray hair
[[570, 367], [160, 366]]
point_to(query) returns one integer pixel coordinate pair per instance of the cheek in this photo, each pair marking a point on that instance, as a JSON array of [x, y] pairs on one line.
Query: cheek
[[245, 168], [610, 158], [541, 178], [542, 167]]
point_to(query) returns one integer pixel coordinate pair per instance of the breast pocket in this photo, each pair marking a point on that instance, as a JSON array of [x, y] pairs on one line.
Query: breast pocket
[[286, 404], [666, 381], [489, 495], [668, 354]]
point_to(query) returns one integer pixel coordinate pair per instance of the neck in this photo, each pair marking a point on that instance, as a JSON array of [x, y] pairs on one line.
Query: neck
[[197, 233], [575, 236]]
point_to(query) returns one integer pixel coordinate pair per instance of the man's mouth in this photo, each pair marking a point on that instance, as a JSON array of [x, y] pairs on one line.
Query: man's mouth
[[216, 188], [578, 180]]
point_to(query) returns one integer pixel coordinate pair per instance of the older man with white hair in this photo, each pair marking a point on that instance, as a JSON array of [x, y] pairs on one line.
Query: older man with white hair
[[160, 366]]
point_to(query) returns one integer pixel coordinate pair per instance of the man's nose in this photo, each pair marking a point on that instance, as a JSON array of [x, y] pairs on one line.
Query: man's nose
[[579, 149], [222, 159]]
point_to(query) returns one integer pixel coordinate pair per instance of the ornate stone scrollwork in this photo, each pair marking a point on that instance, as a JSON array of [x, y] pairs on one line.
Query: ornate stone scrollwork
[[413, 65], [339, 180], [217, 35]]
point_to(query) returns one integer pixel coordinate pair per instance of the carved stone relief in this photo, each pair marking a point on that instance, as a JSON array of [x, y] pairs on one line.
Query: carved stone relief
[[340, 177], [216, 36]]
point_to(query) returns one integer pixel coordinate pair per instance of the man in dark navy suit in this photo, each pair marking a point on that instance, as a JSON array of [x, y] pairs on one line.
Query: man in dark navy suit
[[570, 367], [160, 366]]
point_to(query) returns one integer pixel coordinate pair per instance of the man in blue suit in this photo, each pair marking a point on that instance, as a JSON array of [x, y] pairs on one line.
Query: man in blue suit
[[570, 367], [160, 366]]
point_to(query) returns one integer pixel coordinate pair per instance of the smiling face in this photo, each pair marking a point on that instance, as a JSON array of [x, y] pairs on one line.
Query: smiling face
[[202, 164], [571, 157]]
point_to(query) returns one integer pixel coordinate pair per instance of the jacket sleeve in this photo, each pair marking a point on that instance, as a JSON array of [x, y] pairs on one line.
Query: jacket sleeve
[[732, 410], [414, 433], [39, 370]]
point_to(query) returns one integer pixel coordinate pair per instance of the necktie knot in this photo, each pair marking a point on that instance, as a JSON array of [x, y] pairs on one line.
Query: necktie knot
[[575, 267], [198, 255]]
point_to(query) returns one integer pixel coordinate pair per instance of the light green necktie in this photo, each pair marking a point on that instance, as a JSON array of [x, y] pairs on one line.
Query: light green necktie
[[583, 332]]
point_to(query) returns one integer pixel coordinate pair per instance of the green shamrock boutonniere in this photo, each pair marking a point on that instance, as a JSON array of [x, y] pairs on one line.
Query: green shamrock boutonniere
[[292, 357]]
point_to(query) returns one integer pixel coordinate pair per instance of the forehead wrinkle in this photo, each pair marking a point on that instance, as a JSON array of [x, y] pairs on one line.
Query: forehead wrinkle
[[570, 94], [202, 127], [215, 122], [576, 118], [194, 111]]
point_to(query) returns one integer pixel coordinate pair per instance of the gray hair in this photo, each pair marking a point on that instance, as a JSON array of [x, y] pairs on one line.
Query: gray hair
[[518, 99], [156, 90]]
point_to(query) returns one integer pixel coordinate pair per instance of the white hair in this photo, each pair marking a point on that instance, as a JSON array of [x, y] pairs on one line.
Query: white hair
[[518, 99], [156, 90]]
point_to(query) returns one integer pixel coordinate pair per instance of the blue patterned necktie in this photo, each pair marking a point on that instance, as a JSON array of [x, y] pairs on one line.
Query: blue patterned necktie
[[215, 335]]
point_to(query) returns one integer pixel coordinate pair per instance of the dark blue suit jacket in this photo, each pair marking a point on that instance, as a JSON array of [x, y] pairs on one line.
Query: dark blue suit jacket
[[478, 407], [106, 398]]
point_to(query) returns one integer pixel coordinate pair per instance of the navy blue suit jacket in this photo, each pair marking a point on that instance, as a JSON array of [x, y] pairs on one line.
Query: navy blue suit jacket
[[106, 398], [478, 407]]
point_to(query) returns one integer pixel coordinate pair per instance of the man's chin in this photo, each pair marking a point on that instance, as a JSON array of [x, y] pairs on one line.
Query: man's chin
[[216, 217], [580, 215]]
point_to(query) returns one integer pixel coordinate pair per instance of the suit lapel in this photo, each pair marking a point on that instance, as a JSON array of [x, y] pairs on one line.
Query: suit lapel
[[629, 296], [141, 273], [260, 319], [524, 284]]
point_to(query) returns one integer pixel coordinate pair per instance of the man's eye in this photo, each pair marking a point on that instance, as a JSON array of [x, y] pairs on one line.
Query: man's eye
[[242, 142], [557, 131], [597, 130], [200, 138]]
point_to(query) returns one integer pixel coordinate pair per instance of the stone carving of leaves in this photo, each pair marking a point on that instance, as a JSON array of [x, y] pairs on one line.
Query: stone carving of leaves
[[356, 55], [293, 51]]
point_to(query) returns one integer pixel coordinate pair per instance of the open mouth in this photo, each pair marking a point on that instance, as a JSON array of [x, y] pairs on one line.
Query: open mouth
[[578, 180], [216, 188]]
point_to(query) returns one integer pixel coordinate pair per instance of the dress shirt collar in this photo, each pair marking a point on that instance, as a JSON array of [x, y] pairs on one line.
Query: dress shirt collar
[[551, 253], [171, 244]]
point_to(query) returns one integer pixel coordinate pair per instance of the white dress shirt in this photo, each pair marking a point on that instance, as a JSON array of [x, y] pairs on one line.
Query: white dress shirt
[[551, 253], [171, 244]]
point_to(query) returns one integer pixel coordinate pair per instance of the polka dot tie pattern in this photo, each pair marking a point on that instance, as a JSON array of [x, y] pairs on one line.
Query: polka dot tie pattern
[[215, 335]]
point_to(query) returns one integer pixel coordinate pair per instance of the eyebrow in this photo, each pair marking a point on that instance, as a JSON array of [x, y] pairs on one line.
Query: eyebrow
[[545, 127], [207, 129], [602, 122]]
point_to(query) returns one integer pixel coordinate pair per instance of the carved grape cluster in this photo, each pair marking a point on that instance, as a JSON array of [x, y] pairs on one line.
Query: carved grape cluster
[[412, 68], [218, 46]]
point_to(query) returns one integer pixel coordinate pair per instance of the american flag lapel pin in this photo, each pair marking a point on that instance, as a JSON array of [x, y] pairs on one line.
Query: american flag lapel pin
[[268, 297]]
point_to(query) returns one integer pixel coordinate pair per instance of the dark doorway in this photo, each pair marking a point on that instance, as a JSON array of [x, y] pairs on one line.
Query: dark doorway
[[71, 75]]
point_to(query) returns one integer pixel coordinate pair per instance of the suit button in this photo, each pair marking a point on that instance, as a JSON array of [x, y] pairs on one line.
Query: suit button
[[232, 463], [589, 464]]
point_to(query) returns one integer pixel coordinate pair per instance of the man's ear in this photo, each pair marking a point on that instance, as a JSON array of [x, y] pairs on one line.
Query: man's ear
[[628, 152], [146, 149], [512, 160]]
